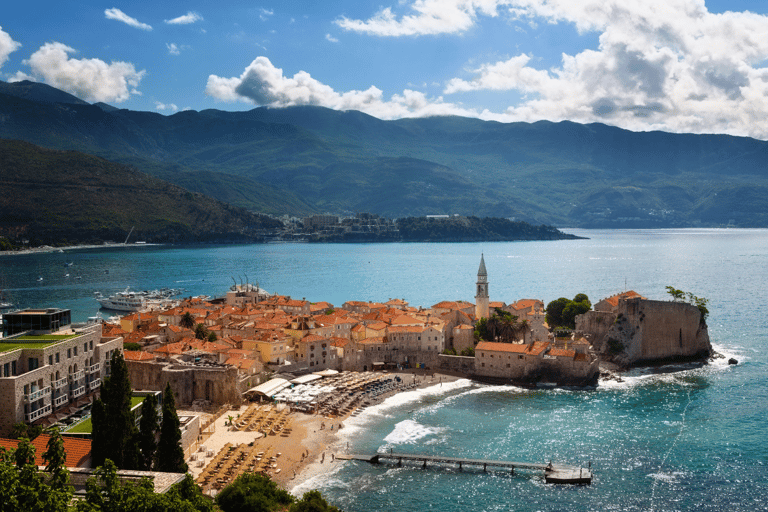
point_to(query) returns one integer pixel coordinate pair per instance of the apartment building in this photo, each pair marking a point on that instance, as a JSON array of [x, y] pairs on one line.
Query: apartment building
[[50, 365]]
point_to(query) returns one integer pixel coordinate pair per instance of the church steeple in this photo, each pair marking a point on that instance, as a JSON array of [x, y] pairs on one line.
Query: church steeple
[[481, 297]]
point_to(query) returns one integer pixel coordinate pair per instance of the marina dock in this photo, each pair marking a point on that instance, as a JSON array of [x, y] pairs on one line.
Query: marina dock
[[553, 473]]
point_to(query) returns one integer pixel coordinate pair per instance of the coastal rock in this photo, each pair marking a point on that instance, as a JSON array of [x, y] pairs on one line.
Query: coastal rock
[[732, 361]]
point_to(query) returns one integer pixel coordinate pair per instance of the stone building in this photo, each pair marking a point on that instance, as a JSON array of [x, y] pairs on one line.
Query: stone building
[[216, 383], [48, 368], [645, 331]]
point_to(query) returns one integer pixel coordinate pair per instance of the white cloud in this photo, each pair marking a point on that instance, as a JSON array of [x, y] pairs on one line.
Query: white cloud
[[429, 17], [264, 14], [671, 66], [116, 14], [330, 38], [263, 84], [7, 46], [175, 49], [163, 106], [186, 19], [88, 79]]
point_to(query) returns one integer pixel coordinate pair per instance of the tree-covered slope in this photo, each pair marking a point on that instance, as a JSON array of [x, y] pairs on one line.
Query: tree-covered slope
[[59, 197], [304, 160]]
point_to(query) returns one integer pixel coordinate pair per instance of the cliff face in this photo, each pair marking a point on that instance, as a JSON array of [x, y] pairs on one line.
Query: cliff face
[[647, 331]]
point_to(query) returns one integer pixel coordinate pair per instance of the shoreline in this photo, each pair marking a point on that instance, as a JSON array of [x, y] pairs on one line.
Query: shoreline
[[325, 442], [305, 449], [48, 248]]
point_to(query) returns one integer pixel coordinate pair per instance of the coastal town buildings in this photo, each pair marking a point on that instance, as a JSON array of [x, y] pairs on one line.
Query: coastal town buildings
[[47, 364]]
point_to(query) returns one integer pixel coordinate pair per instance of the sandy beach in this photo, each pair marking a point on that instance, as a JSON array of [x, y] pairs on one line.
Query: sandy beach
[[305, 449]]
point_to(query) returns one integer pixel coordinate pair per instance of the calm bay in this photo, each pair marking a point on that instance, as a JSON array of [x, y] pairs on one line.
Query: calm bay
[[692, 439]]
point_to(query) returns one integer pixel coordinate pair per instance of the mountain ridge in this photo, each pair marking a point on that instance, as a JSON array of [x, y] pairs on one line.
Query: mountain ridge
[[303, 160]]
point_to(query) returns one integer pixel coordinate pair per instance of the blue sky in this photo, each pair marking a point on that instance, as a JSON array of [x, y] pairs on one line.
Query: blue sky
[[674, 65]]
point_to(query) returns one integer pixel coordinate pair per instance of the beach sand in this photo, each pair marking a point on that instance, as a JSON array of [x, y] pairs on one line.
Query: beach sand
[[310, 435]]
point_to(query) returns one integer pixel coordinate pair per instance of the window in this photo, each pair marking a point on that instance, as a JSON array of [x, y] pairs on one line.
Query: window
[[85, 347], [57, 357], [74, 350], [91, 345], [69, 353], [50, 359]]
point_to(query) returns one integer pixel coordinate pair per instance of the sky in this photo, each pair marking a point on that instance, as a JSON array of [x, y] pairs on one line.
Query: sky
[[685, 66]]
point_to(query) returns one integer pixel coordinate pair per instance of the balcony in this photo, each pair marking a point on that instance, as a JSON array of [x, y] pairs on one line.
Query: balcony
[[39, 413], [37, 395], [94, 384], [94, 368], [77, 375], [77, 392], [59, 401], [60, 383]]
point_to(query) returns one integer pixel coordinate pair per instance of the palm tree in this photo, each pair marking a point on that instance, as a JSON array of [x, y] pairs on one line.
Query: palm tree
[[187, 320]]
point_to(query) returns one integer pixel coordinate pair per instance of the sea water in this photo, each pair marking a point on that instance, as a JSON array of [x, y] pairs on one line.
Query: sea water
[[676, 438]]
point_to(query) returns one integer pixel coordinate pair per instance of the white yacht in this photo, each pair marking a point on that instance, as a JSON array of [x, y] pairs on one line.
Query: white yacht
[[122, 301]]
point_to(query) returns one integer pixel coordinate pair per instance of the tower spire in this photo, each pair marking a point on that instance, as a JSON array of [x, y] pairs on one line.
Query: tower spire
[[481, 297]]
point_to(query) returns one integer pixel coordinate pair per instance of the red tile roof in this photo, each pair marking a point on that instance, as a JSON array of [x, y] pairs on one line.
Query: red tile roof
[[533, 349], [614, 301], [78, 451], [137, 355]]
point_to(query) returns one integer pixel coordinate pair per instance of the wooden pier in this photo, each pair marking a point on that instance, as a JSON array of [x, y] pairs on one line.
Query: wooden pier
[[553, 473]]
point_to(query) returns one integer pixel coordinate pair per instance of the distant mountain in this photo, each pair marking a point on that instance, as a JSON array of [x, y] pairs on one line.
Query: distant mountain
[[66, 197], [305, 160], [34, 91]]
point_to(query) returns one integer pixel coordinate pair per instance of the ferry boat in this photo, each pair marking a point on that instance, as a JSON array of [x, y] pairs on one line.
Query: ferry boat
[[137, 301], [122, 301]]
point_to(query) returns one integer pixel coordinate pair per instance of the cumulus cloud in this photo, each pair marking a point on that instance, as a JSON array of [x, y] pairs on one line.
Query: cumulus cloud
[[263, 84], [7, 46], [264, 14], [88, 79], [330, 38], [669, 65], [672, 66], [163, 106], [186, 19], [116, 14]]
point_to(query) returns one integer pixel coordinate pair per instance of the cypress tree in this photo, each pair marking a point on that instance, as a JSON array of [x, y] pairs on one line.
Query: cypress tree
[[170, 456], [148, 431], [114, 425]]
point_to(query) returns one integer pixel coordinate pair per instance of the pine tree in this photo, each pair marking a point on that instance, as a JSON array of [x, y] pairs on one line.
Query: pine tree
[[114, 433], [147, 431], [170, 456]]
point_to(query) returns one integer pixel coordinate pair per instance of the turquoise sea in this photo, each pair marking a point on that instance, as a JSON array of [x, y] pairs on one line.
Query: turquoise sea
[[684, 438]]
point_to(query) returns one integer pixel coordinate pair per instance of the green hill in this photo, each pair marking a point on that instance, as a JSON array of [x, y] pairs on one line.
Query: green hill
[[66, 197], [305, 160]]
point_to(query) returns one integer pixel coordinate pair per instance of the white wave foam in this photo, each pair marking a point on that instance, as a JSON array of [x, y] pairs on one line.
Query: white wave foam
[[322, 476], [377, 412], [409, 432]]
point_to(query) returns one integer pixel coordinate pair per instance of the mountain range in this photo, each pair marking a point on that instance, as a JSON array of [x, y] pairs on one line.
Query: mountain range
[[305, 160]]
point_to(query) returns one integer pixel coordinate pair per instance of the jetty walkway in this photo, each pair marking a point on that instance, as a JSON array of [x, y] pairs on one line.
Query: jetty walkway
[[553, 473]]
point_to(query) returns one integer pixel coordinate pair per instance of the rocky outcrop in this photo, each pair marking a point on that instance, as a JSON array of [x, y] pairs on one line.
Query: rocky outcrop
[[647, 331]]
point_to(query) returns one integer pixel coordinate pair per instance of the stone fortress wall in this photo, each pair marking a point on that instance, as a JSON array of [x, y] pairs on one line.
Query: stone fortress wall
[[645, 331]]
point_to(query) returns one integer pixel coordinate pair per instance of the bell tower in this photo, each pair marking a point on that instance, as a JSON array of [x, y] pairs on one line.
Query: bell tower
[[481, 297]]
